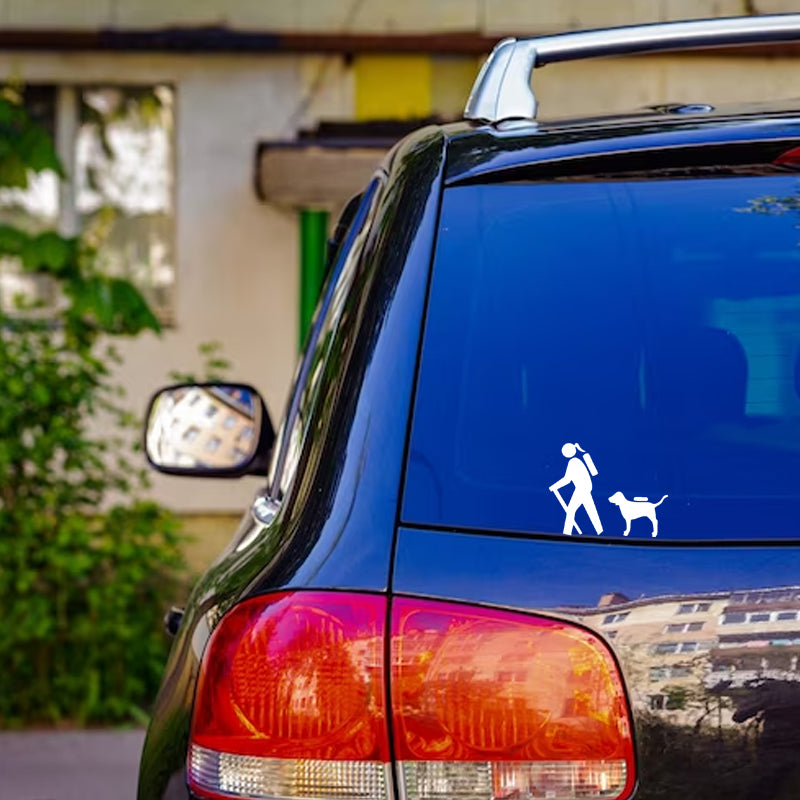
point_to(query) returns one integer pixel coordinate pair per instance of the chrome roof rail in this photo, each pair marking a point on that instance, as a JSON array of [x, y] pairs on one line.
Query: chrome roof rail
[[503, 90]]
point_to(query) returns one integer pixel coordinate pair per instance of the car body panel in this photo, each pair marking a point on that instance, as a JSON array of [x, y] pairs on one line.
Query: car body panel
[[699, 693], [335, 527], [478, 153]]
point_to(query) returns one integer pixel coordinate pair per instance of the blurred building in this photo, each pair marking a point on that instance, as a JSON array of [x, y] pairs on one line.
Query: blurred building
[[207, 426], [703, 656], [225, 134]]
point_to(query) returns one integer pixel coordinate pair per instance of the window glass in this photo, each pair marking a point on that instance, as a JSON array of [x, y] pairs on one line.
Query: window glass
[[120, 195], [34, 209], [291, 434], [666, 647], [124, 185], [656, 323], [734, 618], [673, 629]]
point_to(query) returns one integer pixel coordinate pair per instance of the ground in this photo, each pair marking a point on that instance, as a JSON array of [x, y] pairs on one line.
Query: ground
[[69, 765]]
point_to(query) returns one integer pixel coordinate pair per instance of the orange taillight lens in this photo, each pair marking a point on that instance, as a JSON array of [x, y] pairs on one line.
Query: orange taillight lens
[[296, 675], [290, 700]]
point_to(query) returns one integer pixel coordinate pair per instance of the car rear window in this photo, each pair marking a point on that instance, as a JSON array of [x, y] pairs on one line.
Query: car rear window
[[651, 324]]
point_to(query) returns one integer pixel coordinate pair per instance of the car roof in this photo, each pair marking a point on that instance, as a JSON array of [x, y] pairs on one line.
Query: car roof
[[478, 152]]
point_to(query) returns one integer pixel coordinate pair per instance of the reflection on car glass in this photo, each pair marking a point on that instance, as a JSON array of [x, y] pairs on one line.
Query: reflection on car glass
[[667, 344]]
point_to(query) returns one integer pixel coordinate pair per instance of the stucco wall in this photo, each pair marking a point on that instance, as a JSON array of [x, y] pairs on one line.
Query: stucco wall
[[236, 257], [491, 16]]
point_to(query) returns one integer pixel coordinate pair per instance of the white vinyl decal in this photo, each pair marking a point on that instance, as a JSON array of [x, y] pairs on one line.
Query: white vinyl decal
[[638, 507], [580, 471]]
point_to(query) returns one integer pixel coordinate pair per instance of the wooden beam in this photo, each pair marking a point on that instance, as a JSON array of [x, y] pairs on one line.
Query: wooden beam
[[314, 176], [218, 39]]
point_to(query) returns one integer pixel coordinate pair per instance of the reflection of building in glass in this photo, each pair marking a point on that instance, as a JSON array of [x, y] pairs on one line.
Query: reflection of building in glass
[[204, 426], [683, 654]]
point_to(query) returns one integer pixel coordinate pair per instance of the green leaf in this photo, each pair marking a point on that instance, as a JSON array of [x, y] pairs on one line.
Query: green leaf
[[12, 240], [112, 305], [50, 253]]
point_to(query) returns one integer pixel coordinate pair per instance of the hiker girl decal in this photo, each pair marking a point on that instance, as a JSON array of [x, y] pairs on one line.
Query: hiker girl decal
[[579, 473]]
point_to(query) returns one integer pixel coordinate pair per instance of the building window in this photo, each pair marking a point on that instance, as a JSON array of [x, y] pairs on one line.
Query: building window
[[657, 702], [610, 619], [679, 628], [665, 647], [693, 608], [734, 618], [190, 434], [683, 627], [117, 147], [756, 617]]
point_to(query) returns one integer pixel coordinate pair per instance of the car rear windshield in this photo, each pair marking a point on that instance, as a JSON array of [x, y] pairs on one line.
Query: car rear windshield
[[597, 348]]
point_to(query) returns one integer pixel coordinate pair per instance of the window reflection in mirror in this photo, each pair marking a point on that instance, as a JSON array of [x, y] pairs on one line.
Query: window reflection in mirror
[[203, 427]]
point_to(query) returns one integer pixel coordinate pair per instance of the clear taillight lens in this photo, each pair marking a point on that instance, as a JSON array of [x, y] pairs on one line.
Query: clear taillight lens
[[493, 704], [486, 704]]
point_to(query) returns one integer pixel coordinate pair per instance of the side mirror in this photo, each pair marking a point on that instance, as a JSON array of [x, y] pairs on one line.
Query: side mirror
[[213, 430]]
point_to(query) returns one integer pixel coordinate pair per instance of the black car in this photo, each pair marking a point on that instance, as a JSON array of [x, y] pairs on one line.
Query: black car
[[530, 527]]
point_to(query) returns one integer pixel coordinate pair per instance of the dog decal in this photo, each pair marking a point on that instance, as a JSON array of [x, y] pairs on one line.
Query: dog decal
[[638, 507]]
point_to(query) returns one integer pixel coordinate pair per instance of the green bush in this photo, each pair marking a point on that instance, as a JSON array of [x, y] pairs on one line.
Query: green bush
[[84, 579]]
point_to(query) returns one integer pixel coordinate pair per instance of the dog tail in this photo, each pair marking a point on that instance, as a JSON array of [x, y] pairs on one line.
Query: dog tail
[[660, 501]]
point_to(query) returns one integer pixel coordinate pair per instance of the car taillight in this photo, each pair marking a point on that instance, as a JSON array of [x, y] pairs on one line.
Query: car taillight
[[494, 704], [485, 704], [291, 700]]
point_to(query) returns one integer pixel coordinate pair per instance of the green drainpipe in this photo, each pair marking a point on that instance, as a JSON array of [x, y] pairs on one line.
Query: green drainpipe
[[313, 247]]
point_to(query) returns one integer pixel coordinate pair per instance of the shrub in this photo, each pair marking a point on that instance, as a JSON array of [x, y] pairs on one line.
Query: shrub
[[84, 580]]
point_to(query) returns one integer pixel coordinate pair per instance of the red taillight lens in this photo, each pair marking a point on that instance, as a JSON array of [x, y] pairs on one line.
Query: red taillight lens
[[291, 686], [509, 704], [790, 158], [485, 704]]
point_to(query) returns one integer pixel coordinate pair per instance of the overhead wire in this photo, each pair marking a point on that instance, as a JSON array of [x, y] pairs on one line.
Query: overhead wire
[[316, 85]]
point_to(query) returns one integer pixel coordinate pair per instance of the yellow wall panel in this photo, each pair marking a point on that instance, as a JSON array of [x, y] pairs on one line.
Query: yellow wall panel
[[452, 80], [392, 87]]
